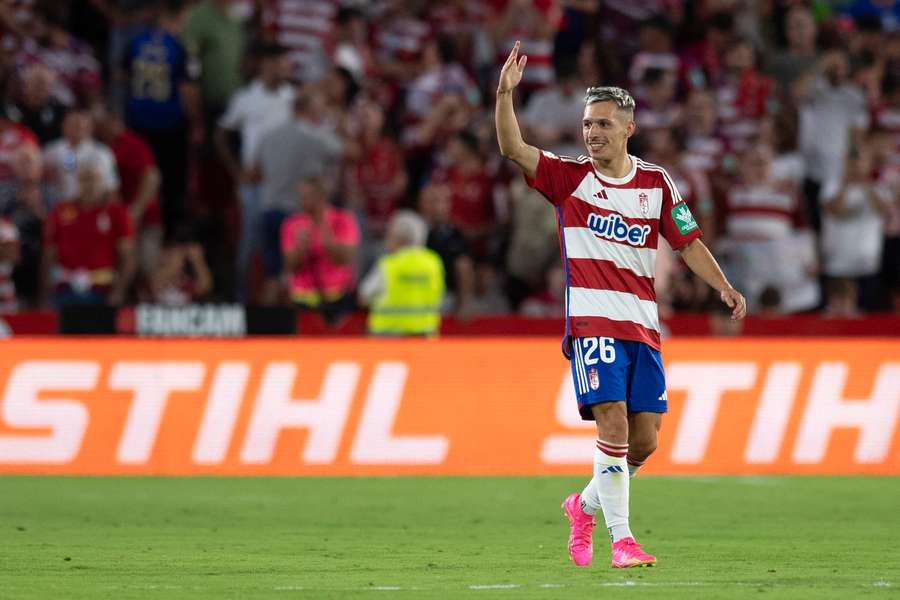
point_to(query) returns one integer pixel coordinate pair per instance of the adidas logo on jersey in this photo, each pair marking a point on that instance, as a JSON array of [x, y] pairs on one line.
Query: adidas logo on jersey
[[612, 227]]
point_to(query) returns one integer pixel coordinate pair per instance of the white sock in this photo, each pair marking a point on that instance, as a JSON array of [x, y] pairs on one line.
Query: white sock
[[611, 482], [590, 499]]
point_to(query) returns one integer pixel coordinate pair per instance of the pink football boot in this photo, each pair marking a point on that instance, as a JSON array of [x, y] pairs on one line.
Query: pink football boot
[[581, 527], [628, 553]]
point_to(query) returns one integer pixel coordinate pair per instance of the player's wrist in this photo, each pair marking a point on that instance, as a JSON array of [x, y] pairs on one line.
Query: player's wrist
[[501, 92]]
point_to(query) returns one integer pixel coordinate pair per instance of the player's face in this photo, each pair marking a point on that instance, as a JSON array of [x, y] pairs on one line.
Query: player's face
[[606, 130]]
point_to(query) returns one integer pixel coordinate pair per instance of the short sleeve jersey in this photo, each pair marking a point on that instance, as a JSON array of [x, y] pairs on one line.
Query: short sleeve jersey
[[609, 232], [87, 237]]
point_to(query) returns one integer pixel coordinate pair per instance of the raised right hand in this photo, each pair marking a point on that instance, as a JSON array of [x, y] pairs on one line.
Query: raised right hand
[[511, 73]]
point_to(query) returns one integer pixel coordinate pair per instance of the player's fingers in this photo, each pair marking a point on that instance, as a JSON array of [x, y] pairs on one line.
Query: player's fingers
[[513, 53], [727, 299], [522, 62], [740, 309]]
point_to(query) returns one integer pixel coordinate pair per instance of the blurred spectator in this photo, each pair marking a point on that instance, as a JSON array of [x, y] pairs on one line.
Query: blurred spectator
[[140, 185], [183, 276], [285, 156], [319, 245], [9, 257], [780, 132], [765, 244], [128, 19], [656, 52], [215, 37], [533, 241], [450, 244], [550, 302], [488, 297], [471, 190], [800, 57], [620, 29], [377, 178], [27, 214], [534, 23], [17, 145], [743, 96], [885, 12], [666, 148], [553, 114], [405, 288], [77, 145], [36, 108], [306, 27], [88, 245], [78, 71], [852, 226], [658, 109], [704, 148], [832, 119], [769, 302], [442, 87], [162, 103], [265, 104], [703, 61], [399, 36], [841, 300], [351, 48]]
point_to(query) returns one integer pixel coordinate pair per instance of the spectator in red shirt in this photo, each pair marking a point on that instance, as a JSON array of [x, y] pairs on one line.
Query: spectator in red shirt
[[319, 245], [88, 245], [471, 190], [378, 178], [139, 184]]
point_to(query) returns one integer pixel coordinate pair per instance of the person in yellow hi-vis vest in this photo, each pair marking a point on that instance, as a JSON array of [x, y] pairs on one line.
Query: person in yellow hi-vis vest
[[405, 288]]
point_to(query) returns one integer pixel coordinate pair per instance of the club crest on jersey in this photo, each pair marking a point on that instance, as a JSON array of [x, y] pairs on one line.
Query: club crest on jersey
[[645, 203], [594, 378], [612, 227]]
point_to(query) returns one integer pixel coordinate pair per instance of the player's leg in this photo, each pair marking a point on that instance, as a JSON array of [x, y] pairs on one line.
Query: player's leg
[[643, 435], [610, 481], [647, 403], [599, 376]]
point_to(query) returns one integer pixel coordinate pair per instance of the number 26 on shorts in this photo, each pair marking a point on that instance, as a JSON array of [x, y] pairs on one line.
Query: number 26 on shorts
[[604, 346]]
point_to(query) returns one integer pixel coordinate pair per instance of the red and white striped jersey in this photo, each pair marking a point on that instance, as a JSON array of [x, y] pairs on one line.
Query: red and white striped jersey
[[306, 28], [763, 211], [609, 232]]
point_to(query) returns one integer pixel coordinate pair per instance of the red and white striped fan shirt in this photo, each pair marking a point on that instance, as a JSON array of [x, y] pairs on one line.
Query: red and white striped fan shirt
[[609, 232]]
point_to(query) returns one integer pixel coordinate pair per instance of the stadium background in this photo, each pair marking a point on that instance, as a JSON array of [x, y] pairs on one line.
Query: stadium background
[[779, 121]]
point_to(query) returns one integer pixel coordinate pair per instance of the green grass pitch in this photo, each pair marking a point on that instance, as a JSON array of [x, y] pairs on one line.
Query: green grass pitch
[[421, 537]]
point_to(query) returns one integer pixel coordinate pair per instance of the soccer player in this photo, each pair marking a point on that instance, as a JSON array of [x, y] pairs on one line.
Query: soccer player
[[611, 208]]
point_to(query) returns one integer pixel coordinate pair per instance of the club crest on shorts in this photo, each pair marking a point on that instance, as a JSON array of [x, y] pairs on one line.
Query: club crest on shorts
[[594, 378], [645, 204]]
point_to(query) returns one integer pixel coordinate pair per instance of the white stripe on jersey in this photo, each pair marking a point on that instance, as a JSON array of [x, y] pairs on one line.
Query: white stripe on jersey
[[616, 306], [579, 365], [622, 200], [761, 227], [582, 243]]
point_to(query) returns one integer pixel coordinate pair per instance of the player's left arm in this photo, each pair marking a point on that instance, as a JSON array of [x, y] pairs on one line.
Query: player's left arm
[[701, 261]]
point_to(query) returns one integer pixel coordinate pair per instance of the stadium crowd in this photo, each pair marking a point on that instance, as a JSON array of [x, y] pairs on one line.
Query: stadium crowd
[[257, 150]]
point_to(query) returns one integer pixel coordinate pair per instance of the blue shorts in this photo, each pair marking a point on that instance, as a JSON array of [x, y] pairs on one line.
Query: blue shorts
[[605, 369]]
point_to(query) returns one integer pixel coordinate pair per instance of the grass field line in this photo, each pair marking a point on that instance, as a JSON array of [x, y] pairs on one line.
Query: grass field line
[[514, 586]]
